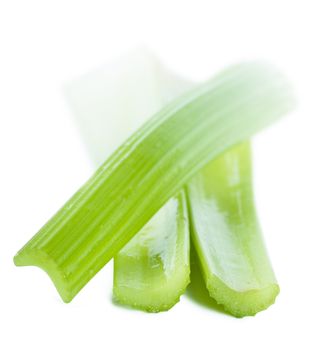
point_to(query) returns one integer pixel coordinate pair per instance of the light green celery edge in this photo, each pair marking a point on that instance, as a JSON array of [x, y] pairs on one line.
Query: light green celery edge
[[150, 168], [227, 237]]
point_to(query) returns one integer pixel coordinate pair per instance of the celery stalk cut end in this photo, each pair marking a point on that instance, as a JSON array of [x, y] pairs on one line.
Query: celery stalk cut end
[[242, 304], [150, 301], [39, 258]]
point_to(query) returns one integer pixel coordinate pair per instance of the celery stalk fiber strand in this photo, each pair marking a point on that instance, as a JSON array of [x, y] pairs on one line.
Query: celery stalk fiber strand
[[150, 168]]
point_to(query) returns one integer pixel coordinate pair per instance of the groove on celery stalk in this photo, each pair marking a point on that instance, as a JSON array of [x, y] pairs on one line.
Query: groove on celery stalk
[[152, 270], [227, 236], [149, 168]]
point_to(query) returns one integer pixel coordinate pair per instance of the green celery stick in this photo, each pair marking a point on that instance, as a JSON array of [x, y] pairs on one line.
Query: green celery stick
[[227, 236], [150, 168], [152, 270]]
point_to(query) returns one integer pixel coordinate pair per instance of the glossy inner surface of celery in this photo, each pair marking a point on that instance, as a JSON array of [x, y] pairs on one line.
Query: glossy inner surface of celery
[[150, 168], [227, 236], [152, 270]]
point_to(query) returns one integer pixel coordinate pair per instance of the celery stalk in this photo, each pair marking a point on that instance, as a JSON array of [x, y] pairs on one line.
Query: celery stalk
[[152, 270], [150, 168], [227, 236]]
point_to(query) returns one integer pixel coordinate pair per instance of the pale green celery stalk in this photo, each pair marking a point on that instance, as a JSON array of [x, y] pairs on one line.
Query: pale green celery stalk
[[227, 236], [150, 168], [152, 270]]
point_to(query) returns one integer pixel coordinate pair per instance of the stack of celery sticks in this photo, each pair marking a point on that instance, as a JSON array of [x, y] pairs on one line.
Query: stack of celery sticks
[[178, 167]]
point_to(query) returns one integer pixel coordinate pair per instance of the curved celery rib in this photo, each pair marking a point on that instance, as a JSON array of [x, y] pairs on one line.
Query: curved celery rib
[[152, 270], [227, 236], [150, 168]]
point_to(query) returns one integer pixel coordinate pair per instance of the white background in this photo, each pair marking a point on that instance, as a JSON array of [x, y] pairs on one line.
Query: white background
[[43, 161]]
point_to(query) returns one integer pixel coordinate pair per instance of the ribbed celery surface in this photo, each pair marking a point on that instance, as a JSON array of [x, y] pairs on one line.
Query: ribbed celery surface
[[150, 168], [227, 236], [152, 270]]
